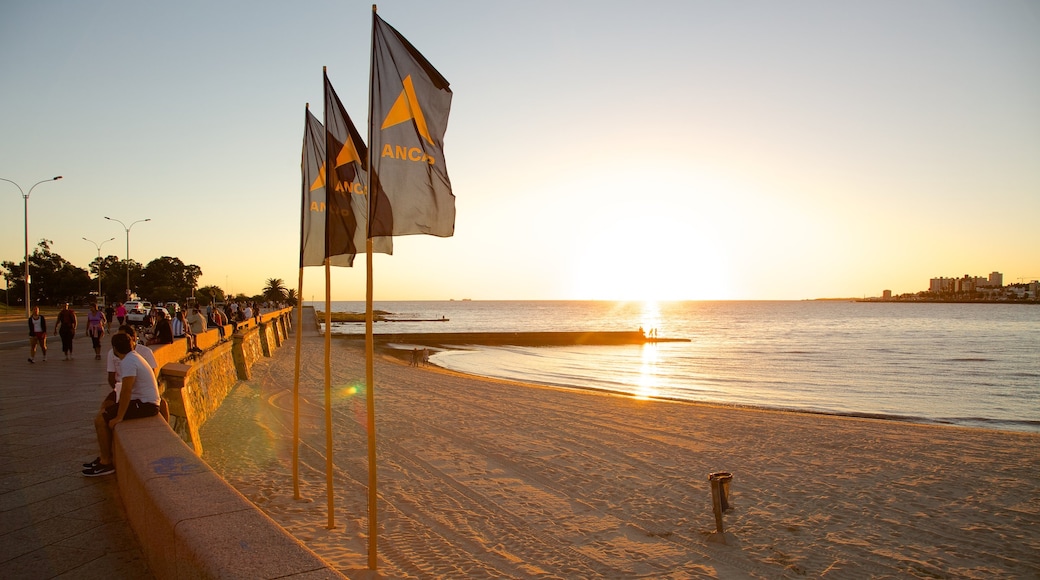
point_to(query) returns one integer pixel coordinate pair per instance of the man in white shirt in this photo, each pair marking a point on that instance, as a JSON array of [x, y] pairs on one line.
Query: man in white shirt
[[114, 372], [138, 397]]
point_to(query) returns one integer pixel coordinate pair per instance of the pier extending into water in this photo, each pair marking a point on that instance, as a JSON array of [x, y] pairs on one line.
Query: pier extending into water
[[601, 338]]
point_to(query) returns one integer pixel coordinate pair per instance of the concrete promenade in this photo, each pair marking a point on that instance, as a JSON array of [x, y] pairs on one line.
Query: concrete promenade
[[54, 522]]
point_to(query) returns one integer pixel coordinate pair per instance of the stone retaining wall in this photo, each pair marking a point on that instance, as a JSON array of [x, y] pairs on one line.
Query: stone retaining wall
[[190, 522]]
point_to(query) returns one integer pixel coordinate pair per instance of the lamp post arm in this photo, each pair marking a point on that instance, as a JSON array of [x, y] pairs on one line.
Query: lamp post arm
[[25, 199]]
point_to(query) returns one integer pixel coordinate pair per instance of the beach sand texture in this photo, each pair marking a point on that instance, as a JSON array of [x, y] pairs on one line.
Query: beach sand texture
[[490, 479]]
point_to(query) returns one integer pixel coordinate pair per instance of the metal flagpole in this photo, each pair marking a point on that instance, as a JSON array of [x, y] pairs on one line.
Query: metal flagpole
[[328, 396], [370, 387], [296, 392]]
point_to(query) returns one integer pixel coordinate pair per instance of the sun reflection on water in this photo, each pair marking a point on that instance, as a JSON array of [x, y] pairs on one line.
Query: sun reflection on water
[[648, 376]]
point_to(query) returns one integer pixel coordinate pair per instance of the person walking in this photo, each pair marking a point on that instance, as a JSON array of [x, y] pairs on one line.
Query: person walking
[[110, 314], [37, 334], [66, 327], [96, 329]]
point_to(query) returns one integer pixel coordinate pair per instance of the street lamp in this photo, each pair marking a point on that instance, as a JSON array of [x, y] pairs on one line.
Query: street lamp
[[25, 196], [127, 228], [98, 246]]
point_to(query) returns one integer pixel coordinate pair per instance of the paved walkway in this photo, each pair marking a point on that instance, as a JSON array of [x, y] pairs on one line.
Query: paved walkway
[[55, 523]]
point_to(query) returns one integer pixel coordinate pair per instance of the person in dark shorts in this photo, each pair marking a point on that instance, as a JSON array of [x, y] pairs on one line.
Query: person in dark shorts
[[37, 334], [138, 397]]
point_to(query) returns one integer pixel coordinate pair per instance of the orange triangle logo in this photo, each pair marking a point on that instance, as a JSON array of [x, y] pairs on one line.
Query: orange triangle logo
[[320, 181], [407, 108]]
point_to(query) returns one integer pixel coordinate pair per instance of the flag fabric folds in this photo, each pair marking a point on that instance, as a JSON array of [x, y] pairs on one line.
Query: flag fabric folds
[[410, 100], [345, 155], [347, 210], [312, 231]]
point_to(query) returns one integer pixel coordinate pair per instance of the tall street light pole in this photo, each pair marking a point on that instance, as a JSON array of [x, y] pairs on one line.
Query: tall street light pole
[[25, 196], [127, 228], [98, 246]]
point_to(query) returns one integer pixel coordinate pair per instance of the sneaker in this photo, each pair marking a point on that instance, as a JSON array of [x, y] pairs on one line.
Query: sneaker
[[97, 461], [99, 469], [31, 361]]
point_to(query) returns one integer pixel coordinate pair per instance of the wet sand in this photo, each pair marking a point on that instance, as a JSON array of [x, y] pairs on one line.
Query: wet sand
[[481, 478]]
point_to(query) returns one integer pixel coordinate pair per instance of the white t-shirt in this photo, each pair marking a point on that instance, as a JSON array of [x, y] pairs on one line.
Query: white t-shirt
[[115, 366], [146, 389]]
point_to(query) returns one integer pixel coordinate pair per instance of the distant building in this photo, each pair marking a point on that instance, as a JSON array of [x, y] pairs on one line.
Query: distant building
[[940, 285], [886, 294], [966, 285]]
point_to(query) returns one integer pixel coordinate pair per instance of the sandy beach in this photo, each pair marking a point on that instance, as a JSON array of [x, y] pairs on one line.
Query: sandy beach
[[490, 479]]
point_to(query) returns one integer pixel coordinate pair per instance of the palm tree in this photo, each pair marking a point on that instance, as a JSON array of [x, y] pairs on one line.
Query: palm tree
[[290, 296], [275, 290]]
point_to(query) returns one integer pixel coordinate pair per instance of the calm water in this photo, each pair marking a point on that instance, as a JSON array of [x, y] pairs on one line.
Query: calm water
[[965, 364]]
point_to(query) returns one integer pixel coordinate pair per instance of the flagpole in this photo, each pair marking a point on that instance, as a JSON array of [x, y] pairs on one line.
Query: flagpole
[[296, 392], [370, 397], [299, 327], [328, 394], [329, 169]]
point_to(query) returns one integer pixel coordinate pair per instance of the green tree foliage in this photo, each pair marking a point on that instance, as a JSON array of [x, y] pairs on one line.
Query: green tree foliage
[[113, 277], [274, 291], [165, 279], [54, 279], [209, 295]]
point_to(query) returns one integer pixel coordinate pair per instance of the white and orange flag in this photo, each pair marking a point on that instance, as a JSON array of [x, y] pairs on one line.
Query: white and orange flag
[[410, 100]]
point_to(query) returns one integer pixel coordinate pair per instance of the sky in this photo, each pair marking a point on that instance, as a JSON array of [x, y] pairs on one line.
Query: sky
[[615, 150]]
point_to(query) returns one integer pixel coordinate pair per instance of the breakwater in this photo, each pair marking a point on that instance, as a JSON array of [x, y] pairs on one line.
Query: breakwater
[[444, 339]]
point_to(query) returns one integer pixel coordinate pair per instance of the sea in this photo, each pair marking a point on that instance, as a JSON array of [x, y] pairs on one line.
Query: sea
[[974, 365]]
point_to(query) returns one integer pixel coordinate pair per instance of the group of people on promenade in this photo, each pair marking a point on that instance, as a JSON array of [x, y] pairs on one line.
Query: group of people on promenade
[[65, 325], [131, 366], [162, 328]]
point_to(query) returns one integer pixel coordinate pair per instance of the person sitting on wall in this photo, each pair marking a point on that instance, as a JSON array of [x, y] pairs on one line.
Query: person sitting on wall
[[138, 397], [217, 319], [162, 332], [115, 374], [197, 323], [180, 329]]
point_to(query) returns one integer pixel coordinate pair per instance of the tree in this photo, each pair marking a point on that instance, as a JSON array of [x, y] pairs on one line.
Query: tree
[[112, 286], [209, 295], [166, 278], [290, 296], [54, 279], [275, 290]]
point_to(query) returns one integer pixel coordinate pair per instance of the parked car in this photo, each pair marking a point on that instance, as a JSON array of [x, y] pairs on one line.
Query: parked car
[[137, 305], [172, 307], [140, 317]]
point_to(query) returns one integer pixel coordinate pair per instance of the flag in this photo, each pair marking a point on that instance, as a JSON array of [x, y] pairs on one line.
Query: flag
[[312, 242], [312, 230], [345, 154], [410, 190]]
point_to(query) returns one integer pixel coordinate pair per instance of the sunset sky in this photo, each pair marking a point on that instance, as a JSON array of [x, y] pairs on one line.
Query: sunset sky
[[598, 149]]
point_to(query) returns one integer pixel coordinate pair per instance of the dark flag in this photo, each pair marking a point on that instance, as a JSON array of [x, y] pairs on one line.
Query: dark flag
[[312, 231], [411, 193], [345, 154]]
